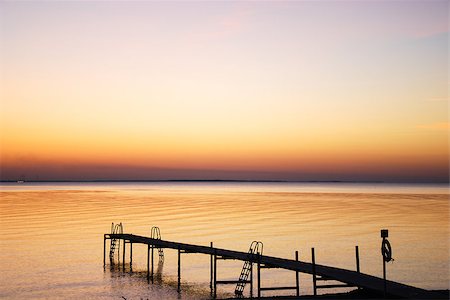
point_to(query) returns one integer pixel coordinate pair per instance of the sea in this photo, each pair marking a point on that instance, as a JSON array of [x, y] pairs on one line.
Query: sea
[[51, 234]]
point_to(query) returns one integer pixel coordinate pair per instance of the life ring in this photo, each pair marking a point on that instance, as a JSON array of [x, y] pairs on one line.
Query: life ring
[[386, 250]]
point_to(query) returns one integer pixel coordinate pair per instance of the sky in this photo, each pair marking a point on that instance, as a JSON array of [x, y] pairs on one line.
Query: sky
[[282, 90]]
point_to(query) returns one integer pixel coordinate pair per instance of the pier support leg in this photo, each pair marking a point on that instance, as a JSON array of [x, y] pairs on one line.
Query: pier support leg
[[104, 250], [118, 254], [259, 275], [251, 281], [211, 273], [297, 278], [313, 258], [123, 254], [152, 276], [179, 270], [357, 261], [357, 258], [148, 262], [215, 276], [384, 278], [131, 257]]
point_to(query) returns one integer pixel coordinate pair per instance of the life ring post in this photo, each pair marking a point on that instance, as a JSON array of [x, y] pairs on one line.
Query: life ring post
[[386, 252]]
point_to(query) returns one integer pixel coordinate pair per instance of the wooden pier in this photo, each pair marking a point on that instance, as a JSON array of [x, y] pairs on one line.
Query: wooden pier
[[319, 272]]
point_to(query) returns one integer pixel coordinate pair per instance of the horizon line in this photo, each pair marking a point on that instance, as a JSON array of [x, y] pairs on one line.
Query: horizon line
[[218, 180]]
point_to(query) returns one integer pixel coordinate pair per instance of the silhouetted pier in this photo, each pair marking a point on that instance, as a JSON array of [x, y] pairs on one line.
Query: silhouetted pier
[[347, 278]]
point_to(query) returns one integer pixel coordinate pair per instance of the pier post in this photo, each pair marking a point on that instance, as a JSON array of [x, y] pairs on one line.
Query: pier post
[[118, 254], [104, 250], [215, 275], [131, 256], [357, 261], [386, 252], [179, 270], [313, 258], [211, 273], [123, 254], [251, 280], [148, 261], [357, 258], [297, 278], [259, 275], [384, 279], [152, 276]]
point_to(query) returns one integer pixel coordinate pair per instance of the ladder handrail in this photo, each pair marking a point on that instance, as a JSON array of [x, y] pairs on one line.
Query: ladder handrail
[[256, 248], [115, 243], [155, 233]]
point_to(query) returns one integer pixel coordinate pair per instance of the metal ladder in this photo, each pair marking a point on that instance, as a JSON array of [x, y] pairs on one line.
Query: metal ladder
[[115, 243], [256, 248], [156, 234]]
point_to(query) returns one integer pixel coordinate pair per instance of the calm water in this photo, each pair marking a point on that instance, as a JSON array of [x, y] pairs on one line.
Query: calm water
[[52, 234]]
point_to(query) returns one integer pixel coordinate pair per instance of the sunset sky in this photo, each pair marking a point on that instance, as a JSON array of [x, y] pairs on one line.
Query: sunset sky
[[299, 90]]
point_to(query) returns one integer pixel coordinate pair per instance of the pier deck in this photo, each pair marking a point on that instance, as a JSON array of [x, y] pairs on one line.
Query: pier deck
[[352, 278]]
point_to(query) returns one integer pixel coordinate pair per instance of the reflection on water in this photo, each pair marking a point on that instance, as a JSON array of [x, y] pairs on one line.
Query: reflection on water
[[52, 234]]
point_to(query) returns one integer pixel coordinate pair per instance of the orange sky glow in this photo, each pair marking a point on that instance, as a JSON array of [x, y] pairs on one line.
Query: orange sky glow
[[196, 90]]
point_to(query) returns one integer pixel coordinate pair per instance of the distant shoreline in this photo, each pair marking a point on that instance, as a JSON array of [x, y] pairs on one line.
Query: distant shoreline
[[198, 180], [209, 180]]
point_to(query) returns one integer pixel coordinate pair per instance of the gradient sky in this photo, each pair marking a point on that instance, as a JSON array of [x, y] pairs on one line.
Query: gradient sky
[[339, 90]]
